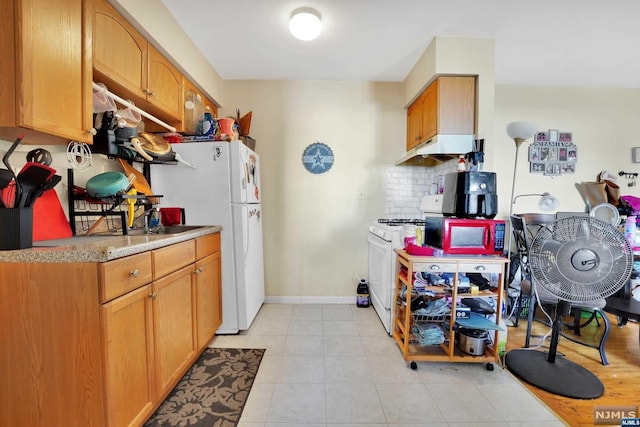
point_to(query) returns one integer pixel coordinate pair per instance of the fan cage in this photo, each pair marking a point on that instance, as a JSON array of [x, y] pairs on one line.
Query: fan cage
[[580, 259]]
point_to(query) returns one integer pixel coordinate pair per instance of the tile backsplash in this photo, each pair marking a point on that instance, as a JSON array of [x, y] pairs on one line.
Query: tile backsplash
[[406, 185]]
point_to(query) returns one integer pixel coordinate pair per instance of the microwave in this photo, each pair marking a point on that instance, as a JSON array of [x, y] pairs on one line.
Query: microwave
[[465, 236]]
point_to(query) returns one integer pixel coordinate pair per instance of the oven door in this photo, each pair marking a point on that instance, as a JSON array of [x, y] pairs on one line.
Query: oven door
[[381, 272]]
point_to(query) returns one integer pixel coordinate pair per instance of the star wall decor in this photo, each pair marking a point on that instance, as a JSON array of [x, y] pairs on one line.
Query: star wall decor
[[317, 158]]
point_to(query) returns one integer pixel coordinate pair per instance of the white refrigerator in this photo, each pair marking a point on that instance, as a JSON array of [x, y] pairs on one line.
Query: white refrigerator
[[223, 189]]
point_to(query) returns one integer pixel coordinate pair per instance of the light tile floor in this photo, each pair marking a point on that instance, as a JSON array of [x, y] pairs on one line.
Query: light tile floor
[[334, 365]]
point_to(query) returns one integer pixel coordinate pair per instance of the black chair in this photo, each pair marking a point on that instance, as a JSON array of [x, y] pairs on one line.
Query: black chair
[[528, 292]]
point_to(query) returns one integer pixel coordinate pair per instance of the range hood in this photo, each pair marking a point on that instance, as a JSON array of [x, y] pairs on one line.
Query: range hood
[[438, 149]]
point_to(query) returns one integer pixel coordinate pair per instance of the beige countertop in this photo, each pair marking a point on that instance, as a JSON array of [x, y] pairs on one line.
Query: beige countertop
[[99, 248]]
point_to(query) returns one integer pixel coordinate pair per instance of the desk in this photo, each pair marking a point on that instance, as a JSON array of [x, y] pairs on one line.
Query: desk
[[623, 308]]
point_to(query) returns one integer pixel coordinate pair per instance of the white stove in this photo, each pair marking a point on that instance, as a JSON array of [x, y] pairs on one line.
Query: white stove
[[386, 235]]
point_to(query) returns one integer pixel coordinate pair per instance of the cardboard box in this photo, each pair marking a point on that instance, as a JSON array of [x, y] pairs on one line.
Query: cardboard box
[[249, 142]]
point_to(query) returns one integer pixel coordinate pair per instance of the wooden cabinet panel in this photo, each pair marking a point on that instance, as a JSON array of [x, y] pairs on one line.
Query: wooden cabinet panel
[[430, 116], [129, 358], [208, 298], [164, 84], [46, 77], [207, 245], [50, 358], [414, 118], [123, 275], [131, 67], [456, 105], [170, 258], [173, 322], [119, 51], [446, 107]]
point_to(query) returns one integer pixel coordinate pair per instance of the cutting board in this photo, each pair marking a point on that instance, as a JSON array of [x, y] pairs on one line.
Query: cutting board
[[140, 183], [49, 220]]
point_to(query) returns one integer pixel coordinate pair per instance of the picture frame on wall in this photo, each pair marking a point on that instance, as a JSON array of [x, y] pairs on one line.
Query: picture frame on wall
[[554, 153], [562, 154], [536, 167], [541, 137], [564, 137]]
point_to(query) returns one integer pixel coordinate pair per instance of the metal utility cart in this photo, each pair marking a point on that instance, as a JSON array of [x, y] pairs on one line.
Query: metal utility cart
[[417, 335]]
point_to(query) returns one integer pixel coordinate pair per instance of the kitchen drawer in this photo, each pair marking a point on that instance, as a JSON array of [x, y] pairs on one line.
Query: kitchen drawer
[[480, 267], [435, 267], [207, 245], [123, 275], [171, 258]]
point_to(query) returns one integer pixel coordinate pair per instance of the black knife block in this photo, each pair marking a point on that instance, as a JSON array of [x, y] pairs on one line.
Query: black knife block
[[16, 228]]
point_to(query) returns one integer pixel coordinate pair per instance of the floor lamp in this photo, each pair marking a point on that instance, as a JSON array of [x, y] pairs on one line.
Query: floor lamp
[[519, 132]]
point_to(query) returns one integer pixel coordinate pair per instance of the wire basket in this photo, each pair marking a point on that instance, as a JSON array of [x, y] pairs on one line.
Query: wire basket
[[427, 334], [430, 318]]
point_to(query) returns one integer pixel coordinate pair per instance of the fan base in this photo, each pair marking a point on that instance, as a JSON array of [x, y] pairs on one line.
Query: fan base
[[562, 377]]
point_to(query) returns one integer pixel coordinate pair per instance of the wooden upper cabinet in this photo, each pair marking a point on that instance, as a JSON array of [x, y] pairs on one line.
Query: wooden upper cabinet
[[414, 118], [164, 85], [133, 68], [430, 116], [119, 51], [456, 105], [446, 107], [45, 80]]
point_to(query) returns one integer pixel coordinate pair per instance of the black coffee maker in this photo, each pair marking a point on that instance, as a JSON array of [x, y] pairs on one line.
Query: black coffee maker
[[470, 195]]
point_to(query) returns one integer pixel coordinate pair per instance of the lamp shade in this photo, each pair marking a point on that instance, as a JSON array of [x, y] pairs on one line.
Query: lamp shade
[[305, 23], [521, 130], [548, 202]]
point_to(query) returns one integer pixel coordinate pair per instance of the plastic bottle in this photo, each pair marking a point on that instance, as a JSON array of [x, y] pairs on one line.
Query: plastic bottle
[[418, 236], [630, 230], [362, 300], [207, 123], [462, 166]]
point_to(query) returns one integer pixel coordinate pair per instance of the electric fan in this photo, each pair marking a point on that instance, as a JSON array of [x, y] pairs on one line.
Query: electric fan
[[579, 260]]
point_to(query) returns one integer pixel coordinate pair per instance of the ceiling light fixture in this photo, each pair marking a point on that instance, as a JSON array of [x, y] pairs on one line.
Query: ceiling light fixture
[[305, 23]]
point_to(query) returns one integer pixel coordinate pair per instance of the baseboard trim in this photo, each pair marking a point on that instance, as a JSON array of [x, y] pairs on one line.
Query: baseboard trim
[[310, 300]]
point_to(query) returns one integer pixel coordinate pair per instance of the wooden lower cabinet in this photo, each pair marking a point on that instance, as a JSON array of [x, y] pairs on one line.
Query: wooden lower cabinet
[[130, 386], [208, 298], [174, 327], [77, 348]]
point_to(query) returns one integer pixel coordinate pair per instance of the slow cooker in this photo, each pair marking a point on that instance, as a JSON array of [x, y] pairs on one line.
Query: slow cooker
[[472, 341]]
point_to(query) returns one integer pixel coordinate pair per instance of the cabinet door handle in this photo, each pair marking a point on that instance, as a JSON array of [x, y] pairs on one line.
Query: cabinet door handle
[[149, 92], [434, 267], [134, 273], [480, 268], [198, 270], [92, 131], [153, 295]]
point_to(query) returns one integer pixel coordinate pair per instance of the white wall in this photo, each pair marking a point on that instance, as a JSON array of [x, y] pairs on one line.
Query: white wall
[[604, 122], [315, 226]]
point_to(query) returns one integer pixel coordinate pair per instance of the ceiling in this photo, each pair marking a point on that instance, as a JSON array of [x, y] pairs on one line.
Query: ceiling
[[542, 42]]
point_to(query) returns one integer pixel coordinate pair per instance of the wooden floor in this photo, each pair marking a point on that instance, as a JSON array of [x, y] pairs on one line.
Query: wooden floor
[[621, 378]]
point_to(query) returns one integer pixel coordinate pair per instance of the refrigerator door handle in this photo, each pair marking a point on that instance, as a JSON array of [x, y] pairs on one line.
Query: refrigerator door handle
[[245, 228]]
